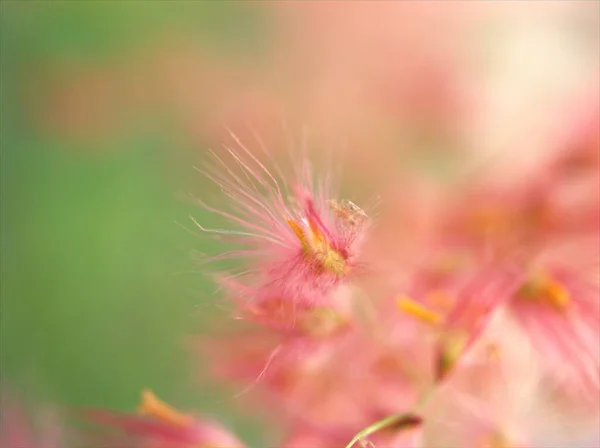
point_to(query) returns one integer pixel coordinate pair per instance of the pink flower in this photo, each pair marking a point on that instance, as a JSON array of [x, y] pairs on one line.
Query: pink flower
[[327, 316], [580, 140], [20, 427], [161, 426], [498, 398], [557, 201], [322, 382], [336, 381], [298, 247], [456, 308], [559, 309]]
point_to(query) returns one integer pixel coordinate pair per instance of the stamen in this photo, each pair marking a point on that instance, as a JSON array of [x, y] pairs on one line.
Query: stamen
[[154, 407], [319, 241], [546, 289], [418, 311], [318, 248], [451, 347], [332, 261], [557, 294], [298, 231]]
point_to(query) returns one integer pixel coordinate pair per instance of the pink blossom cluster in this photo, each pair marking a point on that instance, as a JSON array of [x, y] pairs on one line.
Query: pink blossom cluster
[[466, 314], [447, 314], [453, 311], [461, 314]]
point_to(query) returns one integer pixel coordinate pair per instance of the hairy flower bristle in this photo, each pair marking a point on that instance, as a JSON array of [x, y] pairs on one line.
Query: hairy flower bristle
[[298, 245]]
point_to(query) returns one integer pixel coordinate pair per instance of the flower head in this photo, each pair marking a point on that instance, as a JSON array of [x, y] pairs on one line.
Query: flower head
[[297, 241]]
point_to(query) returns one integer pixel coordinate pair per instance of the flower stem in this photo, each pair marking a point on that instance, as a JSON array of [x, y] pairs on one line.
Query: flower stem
[[390, 420], [377, 426]]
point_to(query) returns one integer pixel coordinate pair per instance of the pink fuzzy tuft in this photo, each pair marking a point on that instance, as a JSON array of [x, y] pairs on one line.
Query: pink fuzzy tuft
[[297, 241]]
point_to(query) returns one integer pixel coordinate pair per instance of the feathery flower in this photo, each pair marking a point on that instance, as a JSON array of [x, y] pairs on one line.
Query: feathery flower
[[297, 247]]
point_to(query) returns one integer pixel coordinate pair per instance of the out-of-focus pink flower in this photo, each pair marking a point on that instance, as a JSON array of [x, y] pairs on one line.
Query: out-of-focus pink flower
[[320, 382], [526, 215], [20, 427], [330, 315], [579, 150], [369, 54], [481, 402], [336, 383], [457, 309], [498, 398], [159, 425], [558, 306]]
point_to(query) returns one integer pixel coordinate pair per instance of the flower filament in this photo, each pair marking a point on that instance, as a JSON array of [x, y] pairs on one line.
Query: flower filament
[[152, 406], [317, 248], [546, 289]]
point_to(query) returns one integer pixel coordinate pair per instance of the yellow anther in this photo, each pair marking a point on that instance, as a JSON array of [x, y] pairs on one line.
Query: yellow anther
[[332, 261], [546, 289], [557, 294], [318, 250], [152, 406], [418, 311], [318, 239], [298, 231]]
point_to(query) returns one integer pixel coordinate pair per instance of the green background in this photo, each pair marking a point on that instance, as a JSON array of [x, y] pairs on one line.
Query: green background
[[98, 286]]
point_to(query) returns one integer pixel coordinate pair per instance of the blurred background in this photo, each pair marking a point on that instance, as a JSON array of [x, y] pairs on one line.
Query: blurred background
[[108, 106]]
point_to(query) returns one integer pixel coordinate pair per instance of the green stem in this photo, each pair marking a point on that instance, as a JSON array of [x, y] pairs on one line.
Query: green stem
[[377, 426], [390, 420]]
